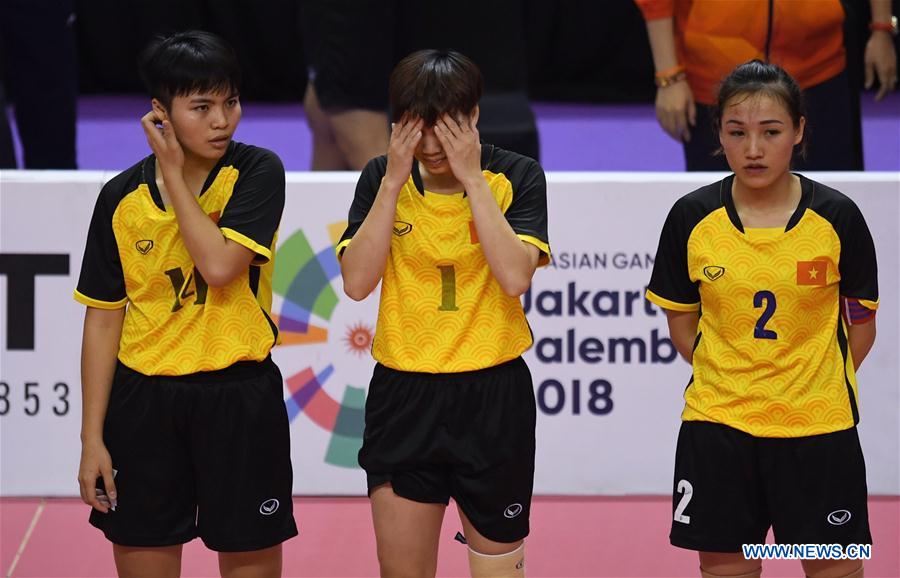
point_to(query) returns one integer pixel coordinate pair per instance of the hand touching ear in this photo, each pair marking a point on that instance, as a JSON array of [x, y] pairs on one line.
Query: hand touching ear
[[162, 141]]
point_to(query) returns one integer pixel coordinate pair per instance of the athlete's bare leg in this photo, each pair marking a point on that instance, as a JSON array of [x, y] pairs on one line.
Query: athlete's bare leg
[[407, 534], [344, 139], [265, 563], [162, 562], [488, 558], [833, 568], [714, 564], [326, 154]]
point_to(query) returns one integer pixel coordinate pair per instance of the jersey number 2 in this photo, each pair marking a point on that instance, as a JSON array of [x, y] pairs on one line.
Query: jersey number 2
[[760, 331], [687, 492]]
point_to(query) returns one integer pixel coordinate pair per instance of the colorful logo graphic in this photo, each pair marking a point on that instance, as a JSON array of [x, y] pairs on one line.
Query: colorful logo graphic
[[359, 339], [303, 279]]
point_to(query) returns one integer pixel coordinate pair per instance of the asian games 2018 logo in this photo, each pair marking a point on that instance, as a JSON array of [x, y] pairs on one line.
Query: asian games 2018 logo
[[303, 279]]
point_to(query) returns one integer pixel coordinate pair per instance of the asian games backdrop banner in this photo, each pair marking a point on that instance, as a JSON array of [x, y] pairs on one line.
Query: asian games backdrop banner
[[608, 383]]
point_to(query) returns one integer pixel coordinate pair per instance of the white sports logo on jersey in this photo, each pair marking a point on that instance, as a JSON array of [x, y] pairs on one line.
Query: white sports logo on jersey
[[839, 517], [269, 507], [513, 510]]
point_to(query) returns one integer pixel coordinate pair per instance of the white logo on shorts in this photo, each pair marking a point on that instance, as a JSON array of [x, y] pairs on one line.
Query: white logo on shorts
[[839, 517], [269, 507], [513, 510]]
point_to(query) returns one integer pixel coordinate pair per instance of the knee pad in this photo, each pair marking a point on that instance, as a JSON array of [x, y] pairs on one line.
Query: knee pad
[[509, 565], [755, 574]]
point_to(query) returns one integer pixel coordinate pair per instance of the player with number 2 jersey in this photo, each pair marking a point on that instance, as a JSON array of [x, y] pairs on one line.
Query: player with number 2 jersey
[[769, 284]]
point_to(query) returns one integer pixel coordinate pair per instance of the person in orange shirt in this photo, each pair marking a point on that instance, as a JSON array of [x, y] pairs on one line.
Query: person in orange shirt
[[696, 43]]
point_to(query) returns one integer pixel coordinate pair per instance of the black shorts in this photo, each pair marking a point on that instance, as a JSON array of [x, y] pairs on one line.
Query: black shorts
[[469, 436], [730, 487], [350, 49], [206, 454]]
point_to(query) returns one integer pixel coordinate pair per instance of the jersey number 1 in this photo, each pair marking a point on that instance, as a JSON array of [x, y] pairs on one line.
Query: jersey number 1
[[448, 288], [760, 331]]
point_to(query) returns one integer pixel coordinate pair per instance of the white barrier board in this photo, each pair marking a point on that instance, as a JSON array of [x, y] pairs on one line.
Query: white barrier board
[[607, 381]]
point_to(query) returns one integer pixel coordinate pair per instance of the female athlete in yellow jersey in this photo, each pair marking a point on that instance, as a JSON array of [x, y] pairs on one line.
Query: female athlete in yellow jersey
[[769, 284], [454, 230]]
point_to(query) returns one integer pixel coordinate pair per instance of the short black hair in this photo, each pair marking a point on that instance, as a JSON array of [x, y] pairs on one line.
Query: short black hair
[[429, 83], [762, 78], [189, 62]]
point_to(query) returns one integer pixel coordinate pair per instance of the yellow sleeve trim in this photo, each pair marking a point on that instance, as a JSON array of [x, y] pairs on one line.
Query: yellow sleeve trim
[[870, 305], [85, 300], [263, 252], [339, 248], [544, 258], [673, 305]]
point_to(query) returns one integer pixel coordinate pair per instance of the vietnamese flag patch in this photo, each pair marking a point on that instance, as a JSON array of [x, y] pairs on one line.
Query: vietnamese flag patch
[[812, 273]]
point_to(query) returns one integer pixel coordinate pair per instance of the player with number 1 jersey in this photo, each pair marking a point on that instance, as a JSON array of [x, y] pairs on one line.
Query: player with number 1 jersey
[[454, 230]]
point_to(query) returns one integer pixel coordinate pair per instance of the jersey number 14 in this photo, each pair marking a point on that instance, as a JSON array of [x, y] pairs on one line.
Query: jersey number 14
[[183, 289]]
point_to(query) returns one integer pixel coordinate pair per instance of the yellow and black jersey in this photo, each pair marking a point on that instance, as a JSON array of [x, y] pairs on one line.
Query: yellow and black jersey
[[771, 356], [442, 310], [175, 324]]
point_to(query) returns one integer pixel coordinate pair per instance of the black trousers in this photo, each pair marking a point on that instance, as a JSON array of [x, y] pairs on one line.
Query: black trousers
[[37, 39]]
